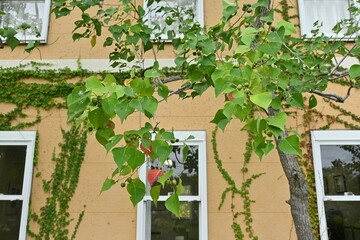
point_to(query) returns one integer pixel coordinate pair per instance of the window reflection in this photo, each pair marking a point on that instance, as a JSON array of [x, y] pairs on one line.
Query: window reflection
[[20, 12], [12, 165], [343, 220], [187, 170], [10, 215], [341, 169], [166, 226]]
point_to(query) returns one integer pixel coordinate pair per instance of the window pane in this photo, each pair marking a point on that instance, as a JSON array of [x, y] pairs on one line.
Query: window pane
[[10, 215], [12, 164], [182, 9], [341, 169], [343, 220], [327, 12], [187, 171], [19, 12], [166, 226]]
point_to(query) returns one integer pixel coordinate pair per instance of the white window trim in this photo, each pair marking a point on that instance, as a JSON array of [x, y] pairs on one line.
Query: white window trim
[[43, 31], [199, 15], [200, 140], [329, 137], [27, 138], [303, 27]]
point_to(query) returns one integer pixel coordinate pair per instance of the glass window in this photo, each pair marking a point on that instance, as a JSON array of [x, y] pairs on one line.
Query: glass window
[[157, 222], [336, 157], [29, 17], [326, 12], [16, 156], [181, 10]]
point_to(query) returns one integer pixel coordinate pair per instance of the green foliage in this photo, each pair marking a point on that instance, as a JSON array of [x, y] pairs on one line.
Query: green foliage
[[53, 218], [251, 62]]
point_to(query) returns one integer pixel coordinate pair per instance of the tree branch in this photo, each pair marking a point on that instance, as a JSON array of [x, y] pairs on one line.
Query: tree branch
[[333, 96], [342, 60], [176, 91]]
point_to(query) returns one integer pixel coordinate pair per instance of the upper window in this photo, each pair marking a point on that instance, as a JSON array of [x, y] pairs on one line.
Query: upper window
[[326, 12], [157, 223], [337, 175], [16, 165], [30, 18], [178, 11]]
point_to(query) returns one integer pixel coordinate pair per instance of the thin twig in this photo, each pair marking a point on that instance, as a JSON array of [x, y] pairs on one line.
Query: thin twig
[[340, 62]]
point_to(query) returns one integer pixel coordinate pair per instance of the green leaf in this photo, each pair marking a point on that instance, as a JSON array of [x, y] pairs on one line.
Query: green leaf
[[279, 120], [155, 193], [185, 152], [12, 42], [150, 106], [296, 100], [229, 9], [261, 3], [109, 80], [135, 158], [103, 134], [108, 105], [270, 48], [136, 189], [289, 27], [173, 204], [354, 71], [113, 141], [107, 184], [262, 100], [165, 177], [123, 110], [93, 41], [119, 156], [93, 84], [291, 145], [163, 91], [98, 117], [220, 119], [312, 101], [77, 102], [162, 149], [277, 36], [242, 49]]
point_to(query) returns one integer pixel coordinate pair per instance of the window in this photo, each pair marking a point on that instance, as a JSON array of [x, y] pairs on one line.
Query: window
[[336, 157], [16, 164], [29, 17], [182, 10], [326, 12], [157, 223]]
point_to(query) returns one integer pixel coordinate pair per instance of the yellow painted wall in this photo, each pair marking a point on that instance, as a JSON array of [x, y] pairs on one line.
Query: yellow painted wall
[[111, 216]]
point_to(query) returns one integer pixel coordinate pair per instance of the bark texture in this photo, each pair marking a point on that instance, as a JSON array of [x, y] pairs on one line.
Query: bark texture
[[299, 190]]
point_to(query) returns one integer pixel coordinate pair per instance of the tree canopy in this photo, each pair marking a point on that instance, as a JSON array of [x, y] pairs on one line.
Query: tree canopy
[[255, 63]]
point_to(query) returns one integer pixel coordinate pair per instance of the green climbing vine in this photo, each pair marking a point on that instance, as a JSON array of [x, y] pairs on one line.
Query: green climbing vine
[[54, 218], [234, 191]]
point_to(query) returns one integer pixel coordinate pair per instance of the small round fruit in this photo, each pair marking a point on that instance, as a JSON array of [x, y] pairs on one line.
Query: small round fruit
[[122, 185]]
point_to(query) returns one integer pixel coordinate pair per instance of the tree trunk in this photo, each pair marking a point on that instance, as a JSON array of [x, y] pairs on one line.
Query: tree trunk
[[299, 190]]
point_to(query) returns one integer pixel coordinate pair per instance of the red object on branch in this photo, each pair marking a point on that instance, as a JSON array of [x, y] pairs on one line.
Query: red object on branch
[[153, 174]]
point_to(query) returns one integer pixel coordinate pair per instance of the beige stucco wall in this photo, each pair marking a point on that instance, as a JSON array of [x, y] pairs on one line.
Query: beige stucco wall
[[111, 214], [61, 46]]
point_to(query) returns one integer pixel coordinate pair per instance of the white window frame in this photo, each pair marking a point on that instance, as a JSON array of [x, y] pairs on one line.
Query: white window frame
[[43, 31], [21, 138], [143, 213], [199, 16], [329, 137], [306, 29]]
